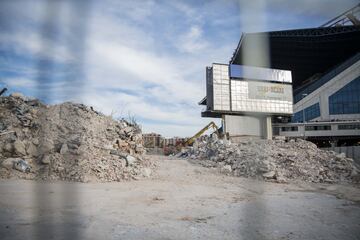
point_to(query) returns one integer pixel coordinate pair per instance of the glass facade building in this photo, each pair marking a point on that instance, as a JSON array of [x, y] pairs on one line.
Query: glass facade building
[[310, 113], [346, 100]]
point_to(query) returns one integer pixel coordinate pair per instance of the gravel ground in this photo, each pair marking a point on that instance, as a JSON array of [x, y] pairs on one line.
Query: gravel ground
[[181, 201]]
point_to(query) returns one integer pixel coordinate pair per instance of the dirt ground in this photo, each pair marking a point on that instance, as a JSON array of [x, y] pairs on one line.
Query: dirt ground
[[181, 201]]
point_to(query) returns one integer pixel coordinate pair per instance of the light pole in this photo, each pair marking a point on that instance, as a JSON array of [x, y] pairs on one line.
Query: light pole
[[303, 111]]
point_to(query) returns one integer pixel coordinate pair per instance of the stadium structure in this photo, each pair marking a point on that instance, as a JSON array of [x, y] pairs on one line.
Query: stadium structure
[[321, 64]]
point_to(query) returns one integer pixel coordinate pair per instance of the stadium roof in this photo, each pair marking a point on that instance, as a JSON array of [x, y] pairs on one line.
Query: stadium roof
[[308, 53]]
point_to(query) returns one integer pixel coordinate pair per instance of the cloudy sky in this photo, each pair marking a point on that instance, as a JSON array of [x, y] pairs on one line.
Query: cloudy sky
[[140, 58]]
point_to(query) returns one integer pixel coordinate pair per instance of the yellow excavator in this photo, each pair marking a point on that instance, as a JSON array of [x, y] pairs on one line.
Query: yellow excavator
[[179, 145], [191, 140]]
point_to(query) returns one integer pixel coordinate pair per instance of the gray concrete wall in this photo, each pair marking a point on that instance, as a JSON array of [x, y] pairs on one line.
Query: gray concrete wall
[[248, 127]]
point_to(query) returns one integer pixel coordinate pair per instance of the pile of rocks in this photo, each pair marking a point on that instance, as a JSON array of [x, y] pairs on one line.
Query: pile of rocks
[[274, 160], [67, 142]]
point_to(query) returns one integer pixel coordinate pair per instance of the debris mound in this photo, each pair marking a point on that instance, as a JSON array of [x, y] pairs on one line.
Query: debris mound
[[273, 160], [67, 141]]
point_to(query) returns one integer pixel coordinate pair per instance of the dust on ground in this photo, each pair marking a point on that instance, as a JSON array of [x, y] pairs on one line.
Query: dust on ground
[[180, 201]]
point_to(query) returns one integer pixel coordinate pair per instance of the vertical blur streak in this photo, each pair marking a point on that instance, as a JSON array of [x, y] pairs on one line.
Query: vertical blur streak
[[256, 53], [64, 24], [49, 32]]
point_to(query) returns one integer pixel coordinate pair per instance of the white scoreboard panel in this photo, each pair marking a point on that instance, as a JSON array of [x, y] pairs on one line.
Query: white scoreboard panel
[[244, 95], [262, 97]]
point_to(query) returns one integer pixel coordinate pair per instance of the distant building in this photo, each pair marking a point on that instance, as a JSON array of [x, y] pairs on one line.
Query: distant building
[[153, 140], [174, 141]]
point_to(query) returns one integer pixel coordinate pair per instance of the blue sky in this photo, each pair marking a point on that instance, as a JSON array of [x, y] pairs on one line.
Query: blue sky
[[141, 58]]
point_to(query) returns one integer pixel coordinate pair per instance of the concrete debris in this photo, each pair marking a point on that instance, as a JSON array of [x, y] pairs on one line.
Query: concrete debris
[[146, 172], [19, 148], [18, 95], [130, 160], [64, 149], [269, 175], [9, 163], [46, 159], [22, 166], [68, 141], [273, 160], [32, 150], [226, 169], [16, 163]]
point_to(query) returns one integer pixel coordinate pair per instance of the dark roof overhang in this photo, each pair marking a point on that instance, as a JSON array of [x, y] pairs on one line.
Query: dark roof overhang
[[219, 114], [306, 52]]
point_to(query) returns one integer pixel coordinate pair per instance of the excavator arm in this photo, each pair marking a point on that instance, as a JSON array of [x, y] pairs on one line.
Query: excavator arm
[[201, 132]]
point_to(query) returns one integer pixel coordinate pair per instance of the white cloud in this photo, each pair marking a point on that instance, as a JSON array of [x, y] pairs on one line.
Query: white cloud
[[133, 63], [137, 11], [192, 41], [124, 73], [32, 43], [19, 82]]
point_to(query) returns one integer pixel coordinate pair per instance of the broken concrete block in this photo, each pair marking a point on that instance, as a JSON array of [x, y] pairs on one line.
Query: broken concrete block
[[9, 163], [35, 141], [226, 169], [122, 144], [64, 149], [46, 146], [269, 175], [130, 160], [19, 148], [8, 147], [128, 130], [340, 156], [46, 159], [281, 179], [32, 150]]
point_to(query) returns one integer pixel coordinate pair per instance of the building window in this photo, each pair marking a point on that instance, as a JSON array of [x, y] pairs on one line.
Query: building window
[[289, 129], [298, 117], [310, 113], [346, 100], [349, 126], [318, 128]]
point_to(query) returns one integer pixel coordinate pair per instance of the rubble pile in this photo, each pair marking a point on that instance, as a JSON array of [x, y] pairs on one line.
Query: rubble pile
[[67, 142], [274, 160]]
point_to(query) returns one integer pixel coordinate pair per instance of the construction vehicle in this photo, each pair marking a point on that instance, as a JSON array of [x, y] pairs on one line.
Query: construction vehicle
[[176, 148], [191, 140]]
